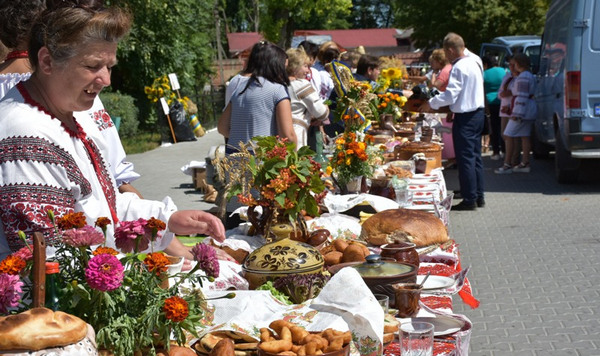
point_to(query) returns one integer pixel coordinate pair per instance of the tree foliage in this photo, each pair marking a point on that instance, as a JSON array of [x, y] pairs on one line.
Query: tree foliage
[[175, 36], [280, 18], [476, 21], [373, 13]]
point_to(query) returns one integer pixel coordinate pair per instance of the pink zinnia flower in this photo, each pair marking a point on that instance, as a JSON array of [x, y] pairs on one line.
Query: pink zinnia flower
[[104, 272], [24, 253], [207, 259], [128, 232], [83, 237], [10, 291]]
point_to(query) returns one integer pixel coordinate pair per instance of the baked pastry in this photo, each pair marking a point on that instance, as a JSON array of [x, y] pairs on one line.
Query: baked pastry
[[419, 227], [390, 327], [225, 347], [430, 150], [40, 328]]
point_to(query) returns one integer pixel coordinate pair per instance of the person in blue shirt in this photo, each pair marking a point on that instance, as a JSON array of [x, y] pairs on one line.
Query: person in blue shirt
[[492, 79]]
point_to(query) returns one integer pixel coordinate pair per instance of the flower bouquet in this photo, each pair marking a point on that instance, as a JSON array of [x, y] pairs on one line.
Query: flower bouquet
[[270, 173], [121, 298], [354, 152], [389, 79], [390, 104]]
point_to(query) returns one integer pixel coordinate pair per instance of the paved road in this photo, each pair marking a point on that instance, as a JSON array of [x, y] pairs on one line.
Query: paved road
[[534, 252]]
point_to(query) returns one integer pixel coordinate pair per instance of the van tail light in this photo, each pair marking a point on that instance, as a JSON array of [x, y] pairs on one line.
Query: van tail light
[[573, 90]]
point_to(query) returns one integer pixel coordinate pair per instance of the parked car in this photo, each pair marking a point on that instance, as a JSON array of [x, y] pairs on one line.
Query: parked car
[[568, 86], [505, 46]]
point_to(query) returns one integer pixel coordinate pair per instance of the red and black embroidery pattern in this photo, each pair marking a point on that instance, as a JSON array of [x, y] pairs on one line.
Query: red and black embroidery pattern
[[25, 207], [36, 149], [102, 174], [102, 119]]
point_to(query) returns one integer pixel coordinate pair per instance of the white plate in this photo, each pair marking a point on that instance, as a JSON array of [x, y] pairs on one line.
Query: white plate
[[424, 176], [442, 325], [435, 282], [422, 187], [426, 207]]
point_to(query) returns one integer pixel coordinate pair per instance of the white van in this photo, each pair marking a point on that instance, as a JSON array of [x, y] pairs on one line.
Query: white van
[[504, 47], [568, 88]]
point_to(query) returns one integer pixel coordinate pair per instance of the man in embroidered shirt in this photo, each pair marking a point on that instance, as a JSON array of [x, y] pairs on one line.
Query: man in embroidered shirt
[[465, 96]]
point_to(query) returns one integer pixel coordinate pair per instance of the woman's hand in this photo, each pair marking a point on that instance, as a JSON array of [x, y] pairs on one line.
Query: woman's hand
[[187, 222]]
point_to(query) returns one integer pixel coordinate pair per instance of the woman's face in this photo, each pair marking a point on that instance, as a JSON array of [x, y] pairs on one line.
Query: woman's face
[[302, 71], [435, 65], [512, 66], [76, 83]]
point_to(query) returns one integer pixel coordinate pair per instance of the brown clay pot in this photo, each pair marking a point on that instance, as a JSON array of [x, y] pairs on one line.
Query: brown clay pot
[[404, 252]]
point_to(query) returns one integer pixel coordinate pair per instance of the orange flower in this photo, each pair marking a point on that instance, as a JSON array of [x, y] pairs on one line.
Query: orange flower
[[346, 117], [71, 221], [157, 224], [105, 250], [176, 309], [102, 222], [12, 265], [156, 262]]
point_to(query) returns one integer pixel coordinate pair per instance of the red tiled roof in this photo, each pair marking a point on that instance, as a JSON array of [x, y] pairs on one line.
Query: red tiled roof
[[240, 41], [370, 37]]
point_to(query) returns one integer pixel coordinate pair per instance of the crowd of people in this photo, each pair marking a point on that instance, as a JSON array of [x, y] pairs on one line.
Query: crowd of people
[[61, 152]]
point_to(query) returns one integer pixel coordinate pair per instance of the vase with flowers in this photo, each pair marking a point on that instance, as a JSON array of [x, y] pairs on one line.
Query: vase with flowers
[[120, 296], [354, 153], [269, 173]]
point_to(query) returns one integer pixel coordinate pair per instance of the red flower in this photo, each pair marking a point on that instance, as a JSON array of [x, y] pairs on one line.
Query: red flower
[[12, 265], [156, 262], [176, 309], [103, 222], [105, 250], [71, 221]]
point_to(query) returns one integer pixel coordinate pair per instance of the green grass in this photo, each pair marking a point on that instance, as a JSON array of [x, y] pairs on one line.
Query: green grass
[[144, 141], [190, 241]]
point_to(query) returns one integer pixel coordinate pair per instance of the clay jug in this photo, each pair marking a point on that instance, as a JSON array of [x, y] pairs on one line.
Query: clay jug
[[402, 252]]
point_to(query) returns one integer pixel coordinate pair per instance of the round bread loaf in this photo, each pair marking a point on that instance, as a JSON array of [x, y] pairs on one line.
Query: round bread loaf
[[421, 228], [40, 328]]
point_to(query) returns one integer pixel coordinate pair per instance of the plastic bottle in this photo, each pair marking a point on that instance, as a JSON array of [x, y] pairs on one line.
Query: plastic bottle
[[52, 286], [319, 157]]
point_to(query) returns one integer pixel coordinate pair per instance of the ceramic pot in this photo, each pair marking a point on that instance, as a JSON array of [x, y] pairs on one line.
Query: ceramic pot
[[281, 258], [354, 185], [378, 273], [274, 224], [404, 252]]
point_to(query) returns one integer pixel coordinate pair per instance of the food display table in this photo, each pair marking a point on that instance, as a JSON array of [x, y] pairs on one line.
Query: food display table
[[257, 307]]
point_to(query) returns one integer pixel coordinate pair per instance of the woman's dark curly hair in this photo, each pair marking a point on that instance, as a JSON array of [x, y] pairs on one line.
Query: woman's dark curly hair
[[16, 19]]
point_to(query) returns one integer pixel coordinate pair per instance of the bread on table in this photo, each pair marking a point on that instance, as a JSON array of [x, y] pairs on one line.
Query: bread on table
[[419, 227], [391, 325], [40, 328]]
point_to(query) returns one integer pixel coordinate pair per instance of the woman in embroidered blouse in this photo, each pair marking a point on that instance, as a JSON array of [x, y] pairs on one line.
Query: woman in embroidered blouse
[[306, 103], [48, 159]]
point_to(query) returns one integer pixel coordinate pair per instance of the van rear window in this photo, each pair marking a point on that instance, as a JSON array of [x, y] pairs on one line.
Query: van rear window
[[594, 27]]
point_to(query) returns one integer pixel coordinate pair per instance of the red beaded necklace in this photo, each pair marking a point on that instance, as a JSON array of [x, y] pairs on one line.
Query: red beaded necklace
[[17, 54]]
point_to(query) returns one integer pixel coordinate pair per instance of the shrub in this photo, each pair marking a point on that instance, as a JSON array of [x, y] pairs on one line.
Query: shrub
[[123, 106]]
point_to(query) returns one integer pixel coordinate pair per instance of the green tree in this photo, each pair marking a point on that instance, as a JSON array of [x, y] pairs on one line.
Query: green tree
[[476, 21], [174, 36], [373, 13], [279, 18]]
